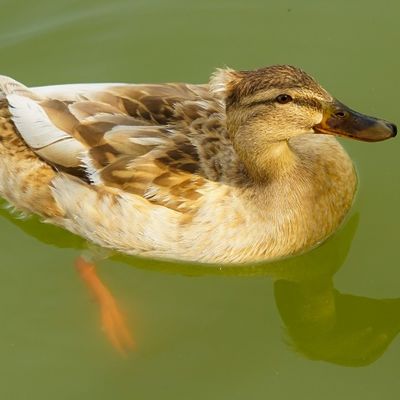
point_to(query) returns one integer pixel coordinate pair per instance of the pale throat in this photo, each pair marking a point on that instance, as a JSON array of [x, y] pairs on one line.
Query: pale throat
[[279, 159], [270, 161]]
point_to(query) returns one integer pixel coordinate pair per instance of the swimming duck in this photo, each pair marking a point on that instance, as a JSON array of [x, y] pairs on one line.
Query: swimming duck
[[242, 169]]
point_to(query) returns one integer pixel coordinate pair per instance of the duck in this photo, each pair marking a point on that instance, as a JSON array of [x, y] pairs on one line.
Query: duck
[[245, 168]]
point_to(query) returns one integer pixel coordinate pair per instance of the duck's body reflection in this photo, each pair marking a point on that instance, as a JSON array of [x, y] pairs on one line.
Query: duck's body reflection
[[321, 322], [349, 330]]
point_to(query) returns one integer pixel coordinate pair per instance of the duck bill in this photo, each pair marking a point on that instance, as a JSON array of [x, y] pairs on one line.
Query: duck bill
[[340, 120]]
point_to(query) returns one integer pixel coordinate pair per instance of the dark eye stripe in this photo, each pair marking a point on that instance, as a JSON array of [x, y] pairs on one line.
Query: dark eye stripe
[[300, 101], [259, 102], [311, 103]]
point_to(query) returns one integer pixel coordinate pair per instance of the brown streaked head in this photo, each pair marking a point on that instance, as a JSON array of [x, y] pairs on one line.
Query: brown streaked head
[[280, 102], [274, 77]]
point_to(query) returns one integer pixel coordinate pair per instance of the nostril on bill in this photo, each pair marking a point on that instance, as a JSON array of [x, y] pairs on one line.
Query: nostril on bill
[[340, 114]]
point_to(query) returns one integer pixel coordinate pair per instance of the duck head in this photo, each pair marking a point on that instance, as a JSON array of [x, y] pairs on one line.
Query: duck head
[[280, 102]]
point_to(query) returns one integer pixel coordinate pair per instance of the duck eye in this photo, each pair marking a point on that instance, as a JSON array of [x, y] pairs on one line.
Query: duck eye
[[284, 98]]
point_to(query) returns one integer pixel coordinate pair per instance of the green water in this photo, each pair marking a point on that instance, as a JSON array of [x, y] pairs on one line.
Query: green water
[[322, 325]]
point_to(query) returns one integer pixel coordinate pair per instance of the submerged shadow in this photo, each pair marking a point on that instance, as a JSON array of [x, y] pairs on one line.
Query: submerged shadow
[[321, 322]]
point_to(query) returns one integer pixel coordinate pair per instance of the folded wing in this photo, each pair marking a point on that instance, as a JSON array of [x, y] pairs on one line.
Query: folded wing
[[145, 139]]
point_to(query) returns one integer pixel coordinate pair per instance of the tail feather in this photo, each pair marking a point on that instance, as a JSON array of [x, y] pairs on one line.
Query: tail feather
[[9, 86]]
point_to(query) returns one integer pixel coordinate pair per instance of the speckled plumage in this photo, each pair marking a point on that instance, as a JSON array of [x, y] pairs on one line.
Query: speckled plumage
[[213, 173]]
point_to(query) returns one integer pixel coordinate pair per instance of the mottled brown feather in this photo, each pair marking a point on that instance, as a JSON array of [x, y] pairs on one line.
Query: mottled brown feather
[[185, 146], [29, 179]]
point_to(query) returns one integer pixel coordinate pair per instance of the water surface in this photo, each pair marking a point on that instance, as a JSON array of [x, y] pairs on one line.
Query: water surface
[[323, 325]]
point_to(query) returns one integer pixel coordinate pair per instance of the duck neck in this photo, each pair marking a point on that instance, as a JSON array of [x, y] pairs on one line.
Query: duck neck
[[268, 161]]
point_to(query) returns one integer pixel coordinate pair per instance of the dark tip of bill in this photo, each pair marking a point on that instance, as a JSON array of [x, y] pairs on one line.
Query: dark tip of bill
[[393, 127]]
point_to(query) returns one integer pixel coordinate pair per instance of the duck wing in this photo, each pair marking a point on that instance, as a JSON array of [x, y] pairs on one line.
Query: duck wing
[[161, 142]]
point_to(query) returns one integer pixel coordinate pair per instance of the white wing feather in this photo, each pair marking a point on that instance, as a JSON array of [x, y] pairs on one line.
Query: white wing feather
[[72, 92], [33, 123]]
